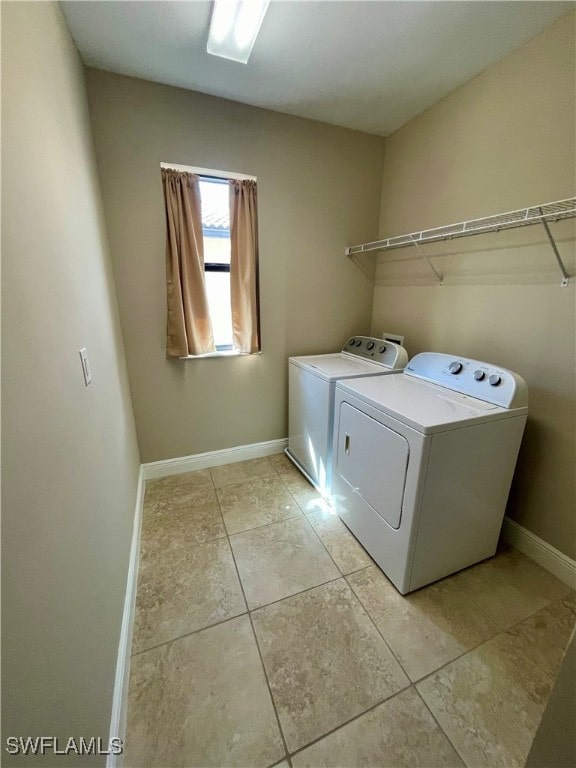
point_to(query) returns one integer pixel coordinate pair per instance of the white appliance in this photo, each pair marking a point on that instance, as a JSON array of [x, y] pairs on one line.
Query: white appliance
[[312, 380], [423, 463]]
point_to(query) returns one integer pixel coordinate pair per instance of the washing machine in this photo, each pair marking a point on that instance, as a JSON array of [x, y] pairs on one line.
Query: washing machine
[[312, 380], [423, 463]]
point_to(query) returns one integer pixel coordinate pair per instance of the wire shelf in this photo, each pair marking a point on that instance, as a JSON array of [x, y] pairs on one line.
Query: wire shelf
[[537, 214]]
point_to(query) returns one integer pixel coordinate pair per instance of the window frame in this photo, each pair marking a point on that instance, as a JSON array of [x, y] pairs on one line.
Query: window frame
[[222, 350]]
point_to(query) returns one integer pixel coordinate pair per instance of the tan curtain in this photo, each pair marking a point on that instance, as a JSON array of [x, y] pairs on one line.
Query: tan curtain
[[244, 266], [189, 328]]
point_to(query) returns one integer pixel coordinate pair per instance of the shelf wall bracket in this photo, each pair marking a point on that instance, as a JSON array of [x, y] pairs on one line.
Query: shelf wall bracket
[[565, 275], [438, 275]]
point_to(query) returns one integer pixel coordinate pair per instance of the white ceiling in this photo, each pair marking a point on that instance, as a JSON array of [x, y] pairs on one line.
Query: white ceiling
[[360, 64]]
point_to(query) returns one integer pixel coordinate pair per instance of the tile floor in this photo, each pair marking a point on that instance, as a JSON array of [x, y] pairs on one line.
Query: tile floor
[[264, 635]]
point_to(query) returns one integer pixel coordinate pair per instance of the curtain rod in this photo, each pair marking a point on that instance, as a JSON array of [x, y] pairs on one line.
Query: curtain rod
[[208, 172]]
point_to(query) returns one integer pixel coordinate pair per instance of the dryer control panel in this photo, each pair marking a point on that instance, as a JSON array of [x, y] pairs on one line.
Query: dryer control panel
[[385, 353], [471, 377]]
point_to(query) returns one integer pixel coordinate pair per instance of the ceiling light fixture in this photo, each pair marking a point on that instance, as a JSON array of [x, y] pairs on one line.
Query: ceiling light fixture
[[234, 27]]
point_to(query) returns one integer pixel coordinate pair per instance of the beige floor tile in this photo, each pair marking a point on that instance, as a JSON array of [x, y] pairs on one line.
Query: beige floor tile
[[169, 499], [400, 733], [325, 661], [241, 471], [177, 486], [489, 703], [255, 503], [307, 497], [346, 552], [425, 629], [326, 522], [282, 464], [344, 549], [188, 589], [509, 587], [279, 560], [183, 523], [544, 636], [202, 700]]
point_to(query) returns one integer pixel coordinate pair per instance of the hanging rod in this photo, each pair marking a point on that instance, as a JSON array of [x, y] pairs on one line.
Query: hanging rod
[[536, 214]]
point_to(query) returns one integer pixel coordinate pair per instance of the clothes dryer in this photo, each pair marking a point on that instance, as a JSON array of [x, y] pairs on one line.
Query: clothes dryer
[[423, 463], [312, 381]]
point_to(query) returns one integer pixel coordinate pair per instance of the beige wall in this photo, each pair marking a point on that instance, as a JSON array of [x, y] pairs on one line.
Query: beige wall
[[318, 190], [69, 454], [503, 141], [555, 740]]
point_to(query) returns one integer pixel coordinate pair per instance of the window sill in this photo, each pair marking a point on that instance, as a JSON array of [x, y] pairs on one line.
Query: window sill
[[223, 353]]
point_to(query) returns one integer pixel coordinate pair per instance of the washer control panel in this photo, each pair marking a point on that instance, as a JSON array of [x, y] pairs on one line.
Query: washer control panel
[[384, 353], [471, 377]]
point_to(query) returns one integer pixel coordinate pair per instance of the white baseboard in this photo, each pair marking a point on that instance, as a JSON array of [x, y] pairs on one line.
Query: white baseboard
[[120, 698], [540, 551], [156, 469]]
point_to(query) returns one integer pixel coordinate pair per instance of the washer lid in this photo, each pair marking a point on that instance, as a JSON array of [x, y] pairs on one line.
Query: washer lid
[[339, 366], [423, 406]]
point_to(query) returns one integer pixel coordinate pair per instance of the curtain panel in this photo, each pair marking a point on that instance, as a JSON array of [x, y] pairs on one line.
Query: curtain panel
[[244, 288], [189, 327]]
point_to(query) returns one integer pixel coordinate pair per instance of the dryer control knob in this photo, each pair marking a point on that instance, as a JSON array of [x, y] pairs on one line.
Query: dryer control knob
[[352, 342], [495, 380], [455, 367], [479, 375], [358, 342], [382, 349], [370, 345]]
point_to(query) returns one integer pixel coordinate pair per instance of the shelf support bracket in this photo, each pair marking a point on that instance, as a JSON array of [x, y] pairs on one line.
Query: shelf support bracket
[[427, 260], [565, 275]]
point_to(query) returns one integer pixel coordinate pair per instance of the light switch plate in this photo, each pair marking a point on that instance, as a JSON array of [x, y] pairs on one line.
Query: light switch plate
[[85, 366]]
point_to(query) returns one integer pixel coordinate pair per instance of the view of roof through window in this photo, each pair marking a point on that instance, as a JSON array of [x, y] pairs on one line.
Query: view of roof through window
[[215, 207]]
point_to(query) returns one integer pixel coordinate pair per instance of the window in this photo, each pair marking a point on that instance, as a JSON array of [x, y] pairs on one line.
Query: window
[[215, 202], [212, 292]]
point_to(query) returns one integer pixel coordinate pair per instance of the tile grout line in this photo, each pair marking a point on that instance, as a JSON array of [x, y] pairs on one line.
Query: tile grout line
[[272, 701], [266, 525], [501, 631], [518, 623], [324, 547], [244, 482], [351, 720], [263, 666], [413, 684], [341, 576], [433, 716], [471, 650], [188, 634], [244, 613], [307, 515], [302, 513], [351, 588], [295, 594], [288, 754], [373, 706]]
